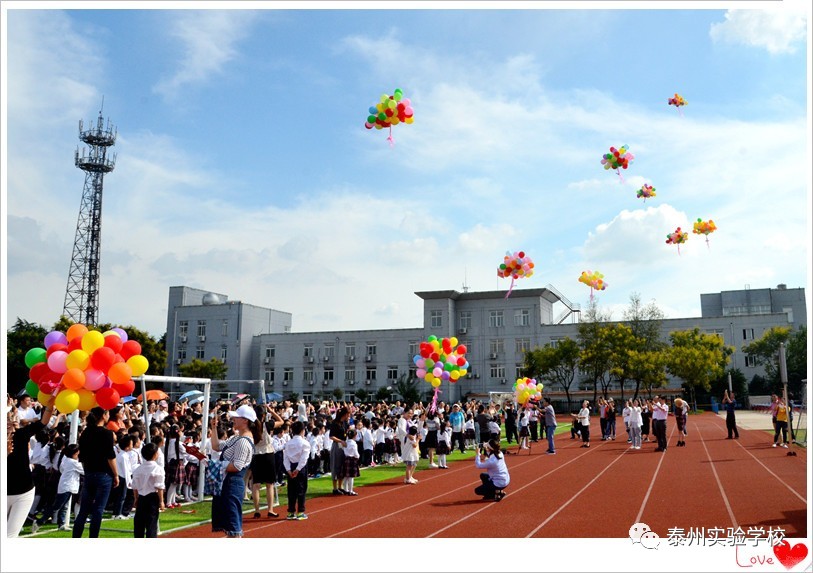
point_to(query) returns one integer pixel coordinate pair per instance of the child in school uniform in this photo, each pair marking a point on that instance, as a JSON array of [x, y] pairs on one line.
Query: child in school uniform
[[125, 472], [295, 459], [192, 469], [314, 458], [70, 471], [444, 444], [366, 444], [278, 443], [148, 489], [350, 469], [469, 433], [524, 432], [410, 454], [379, 448]]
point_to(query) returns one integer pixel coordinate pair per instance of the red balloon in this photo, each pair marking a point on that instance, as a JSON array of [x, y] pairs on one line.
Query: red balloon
[[113, 342], [75, 344], [461, 349], [130, 348], [102, 359], [107, 398], [54, 347], [49, 386], [38, 371], [435, 356], [51, 376], [124, 389], [461, 361]]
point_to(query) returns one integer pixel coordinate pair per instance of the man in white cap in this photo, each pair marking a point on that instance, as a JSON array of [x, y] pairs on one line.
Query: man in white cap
[[163, 412]]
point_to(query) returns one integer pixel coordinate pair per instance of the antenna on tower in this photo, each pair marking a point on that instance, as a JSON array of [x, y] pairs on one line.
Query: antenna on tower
[[465, 280], [82, 292]]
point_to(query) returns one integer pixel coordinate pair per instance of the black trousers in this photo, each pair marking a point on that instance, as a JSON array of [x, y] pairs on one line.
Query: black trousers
[[297, 488], [659, 429], [458, 436], [731, 425], [487, 488], [366, 457], [146, 516], [511, 431], [585, 430], [534, 428]]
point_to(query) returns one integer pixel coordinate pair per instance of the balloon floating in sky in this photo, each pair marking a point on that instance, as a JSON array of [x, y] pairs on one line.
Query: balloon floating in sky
[[527, 390], [617, 159], [440, 359], [593, 279], [678, 102], [390, 110], [646, 192], [702, 227], [516, 265], [677, 237]]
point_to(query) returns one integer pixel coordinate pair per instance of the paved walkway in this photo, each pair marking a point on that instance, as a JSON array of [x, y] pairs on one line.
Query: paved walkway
[[759, 420]]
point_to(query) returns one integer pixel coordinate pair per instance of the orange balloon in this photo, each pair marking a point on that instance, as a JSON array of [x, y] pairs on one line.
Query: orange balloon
[[120, 373], [73, 379], [76, 331]]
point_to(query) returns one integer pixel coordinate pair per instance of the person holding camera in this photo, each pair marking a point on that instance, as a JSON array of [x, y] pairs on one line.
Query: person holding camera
[[491, 459]]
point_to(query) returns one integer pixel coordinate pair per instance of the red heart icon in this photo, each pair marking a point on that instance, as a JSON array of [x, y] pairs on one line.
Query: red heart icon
[[790, 556]]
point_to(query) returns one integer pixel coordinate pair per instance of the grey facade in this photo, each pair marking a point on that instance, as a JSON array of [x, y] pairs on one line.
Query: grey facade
[[497, 332]]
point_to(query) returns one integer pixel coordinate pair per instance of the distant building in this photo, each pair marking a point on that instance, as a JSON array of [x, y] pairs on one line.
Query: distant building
[[257, 343]]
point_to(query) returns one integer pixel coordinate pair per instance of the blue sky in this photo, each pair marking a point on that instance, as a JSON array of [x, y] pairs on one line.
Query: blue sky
[[244, 167]]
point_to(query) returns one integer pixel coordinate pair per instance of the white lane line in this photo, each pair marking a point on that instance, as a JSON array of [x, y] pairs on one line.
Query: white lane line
[[652, 483], [717, 477]]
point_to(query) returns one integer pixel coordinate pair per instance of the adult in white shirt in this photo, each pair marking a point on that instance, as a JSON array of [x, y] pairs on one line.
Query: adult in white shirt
[[163, 412], [497, 477], [583, 418], [25, 412], [635, 423], [659, 414]]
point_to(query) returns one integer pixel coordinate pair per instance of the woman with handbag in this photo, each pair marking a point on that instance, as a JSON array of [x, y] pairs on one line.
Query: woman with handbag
[[236, 454]]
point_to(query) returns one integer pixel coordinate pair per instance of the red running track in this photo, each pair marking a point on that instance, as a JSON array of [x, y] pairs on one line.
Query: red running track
[[579, 492]]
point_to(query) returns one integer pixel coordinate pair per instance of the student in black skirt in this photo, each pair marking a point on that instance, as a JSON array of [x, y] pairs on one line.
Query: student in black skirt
[[263, 463], [431, 439]]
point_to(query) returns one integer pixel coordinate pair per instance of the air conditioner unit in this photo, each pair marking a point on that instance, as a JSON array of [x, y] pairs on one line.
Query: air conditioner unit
[[326, 358], [183, 339], [267, 360], [369, 358], [462, 330], [493, 356], [179, 361], [269, 382], [324, 382], [503, 381], [284, 382], [202, 338], [351, 382], [368, 382], [352, 357], [310, 359], [477, 376], [310, 382]]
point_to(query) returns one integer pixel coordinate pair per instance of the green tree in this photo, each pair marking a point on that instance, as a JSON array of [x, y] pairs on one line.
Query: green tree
[[408, 388], [697, 359], [645, 322], [383, 394], [647, 368], [338, 393], [594, 356], [22, 337], [796, 359], [738, 383], [646, 361], [293, 397], [765, 350], [557, 364], [620, 341], [214, 369], [362, 395]]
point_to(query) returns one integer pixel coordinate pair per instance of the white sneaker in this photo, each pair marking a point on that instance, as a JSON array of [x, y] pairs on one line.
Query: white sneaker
[[784, 445], [119, 517], [433, 465], [413, 480], [35, 527], [773, 446], [637, 447], [63, 528]]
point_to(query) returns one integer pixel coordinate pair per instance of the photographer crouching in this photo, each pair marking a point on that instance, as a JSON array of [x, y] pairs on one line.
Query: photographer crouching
[[492, 460]]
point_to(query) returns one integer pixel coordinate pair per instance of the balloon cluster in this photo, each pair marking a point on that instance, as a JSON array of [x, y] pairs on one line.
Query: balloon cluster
[[526, 389], [516, 265], [617, 158], [441, 359], [593, 279], [677, 237], [646, 192], [84, 368], [702, 227], [391, 110], [677, 101]]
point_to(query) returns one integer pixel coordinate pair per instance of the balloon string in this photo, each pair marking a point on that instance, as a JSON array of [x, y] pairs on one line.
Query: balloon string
[[591, 294], [390, 139], [680, 111], [510, 289], [434, 405], [707, 243], [621, 177]]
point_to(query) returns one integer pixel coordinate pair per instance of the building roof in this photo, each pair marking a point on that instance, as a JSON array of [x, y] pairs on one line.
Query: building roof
[[496, 294]]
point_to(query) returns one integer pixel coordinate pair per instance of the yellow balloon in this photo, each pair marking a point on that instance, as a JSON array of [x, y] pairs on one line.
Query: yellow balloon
[[67, 401], [87, 399], [453, 341], [78, 359], [463, 371], [454, 374], [408, 120], [138, 364], [436, 382], [107, 333], [91, 341], [42, 397], [429, 377]]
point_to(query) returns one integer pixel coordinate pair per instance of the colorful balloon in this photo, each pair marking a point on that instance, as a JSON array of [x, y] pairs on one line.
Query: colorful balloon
[[617, 159], [593, 279], [677, 101], [677, 237], [439, 360], [646, 192], [35, 356], [527, 390], [392, 110], [702, 227], [517, 266]]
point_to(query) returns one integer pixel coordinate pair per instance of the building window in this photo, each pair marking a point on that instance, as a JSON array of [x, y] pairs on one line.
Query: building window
[[436, 318], [392, 373], [496, 346], [350, 349], [522, 317], [554, 342], [518, 372], [413, 373], [523, 345], [183, 328], [350, 396], [224, 331], [350, 375], [718, 332], [270, 351], [464, 319], [182, 353], [370, 373], [224, 353], [495, 318], [413, 348], [199, 352], [201, 328], [328, 377], [371, 348], [307, 397], [789, 311], [747, 333], [286, 329], [330, 350], [750, 361], [288, 375], [308, 350], [268, 375], [497, 371], [307, 375]]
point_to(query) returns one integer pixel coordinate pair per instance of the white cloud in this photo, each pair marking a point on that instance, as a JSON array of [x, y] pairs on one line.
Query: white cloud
[[208, 40], [779, 30]]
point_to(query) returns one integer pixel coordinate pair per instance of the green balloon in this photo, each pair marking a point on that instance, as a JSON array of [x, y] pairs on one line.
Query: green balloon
[[32, 389], [382, 116], [371, 119], [35, 356]]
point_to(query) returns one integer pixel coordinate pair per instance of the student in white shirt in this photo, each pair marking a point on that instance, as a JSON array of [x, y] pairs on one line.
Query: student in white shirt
[[366, 444], [148, 488], [125, 472], [379, 445], [295, 459], [444, 444], [70, 469], [350, 468], [497, 477]]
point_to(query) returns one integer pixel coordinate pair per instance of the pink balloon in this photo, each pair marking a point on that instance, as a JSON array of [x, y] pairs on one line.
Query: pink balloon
[[420, 373], [421, 363], [94, 379], [56, 362]]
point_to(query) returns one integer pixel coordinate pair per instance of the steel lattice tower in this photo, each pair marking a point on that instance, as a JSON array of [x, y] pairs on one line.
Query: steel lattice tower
[[82, 293]]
